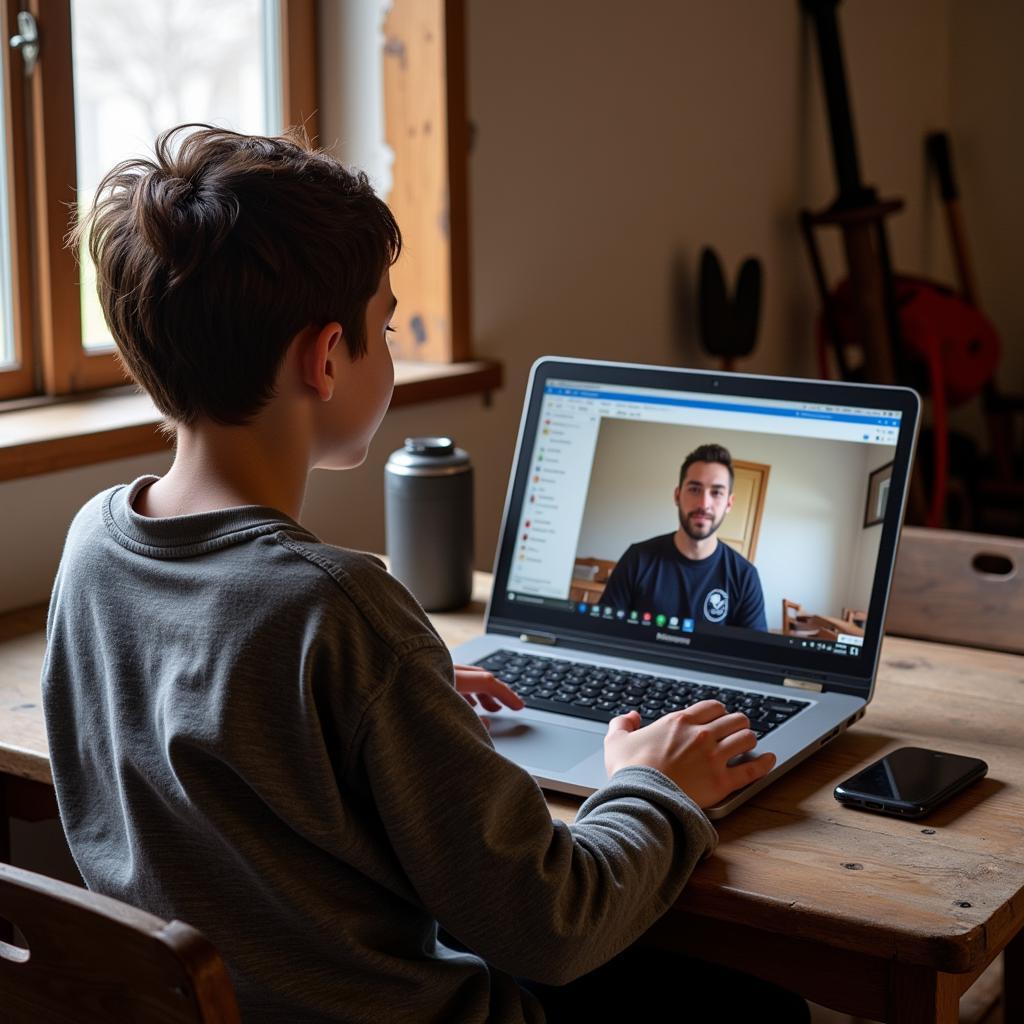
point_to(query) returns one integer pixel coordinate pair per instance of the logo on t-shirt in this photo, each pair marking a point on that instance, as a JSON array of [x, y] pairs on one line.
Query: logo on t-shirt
[[716, 605]]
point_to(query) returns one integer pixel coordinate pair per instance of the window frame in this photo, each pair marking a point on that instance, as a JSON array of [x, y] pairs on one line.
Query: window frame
[[427, 128], [19, 379], [58, 428]]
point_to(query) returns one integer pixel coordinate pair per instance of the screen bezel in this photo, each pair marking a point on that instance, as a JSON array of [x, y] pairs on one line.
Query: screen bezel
[[766, 661]]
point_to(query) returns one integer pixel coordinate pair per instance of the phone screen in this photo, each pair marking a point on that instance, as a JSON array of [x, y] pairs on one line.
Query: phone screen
[[912, 775]]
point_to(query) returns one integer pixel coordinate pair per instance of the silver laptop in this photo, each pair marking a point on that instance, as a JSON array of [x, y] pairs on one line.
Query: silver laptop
[[676, 535]]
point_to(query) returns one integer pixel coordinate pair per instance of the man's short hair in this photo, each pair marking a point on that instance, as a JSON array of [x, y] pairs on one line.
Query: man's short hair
[[212, 256], [709, 453]]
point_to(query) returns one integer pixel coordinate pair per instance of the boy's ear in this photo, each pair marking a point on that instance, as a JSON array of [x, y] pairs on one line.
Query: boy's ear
[[319, 359]]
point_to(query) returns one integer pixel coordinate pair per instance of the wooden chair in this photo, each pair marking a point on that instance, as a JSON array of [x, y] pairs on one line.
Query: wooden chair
[[959, 588], [90, 959], [590, 589], [798, 623], [790, 617], [856, 616]]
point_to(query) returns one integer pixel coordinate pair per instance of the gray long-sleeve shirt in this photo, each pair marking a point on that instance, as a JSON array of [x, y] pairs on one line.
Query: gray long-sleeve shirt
[[258, 733]]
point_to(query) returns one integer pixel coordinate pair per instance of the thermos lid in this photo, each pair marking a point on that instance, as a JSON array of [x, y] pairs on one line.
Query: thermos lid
[[428, 456]]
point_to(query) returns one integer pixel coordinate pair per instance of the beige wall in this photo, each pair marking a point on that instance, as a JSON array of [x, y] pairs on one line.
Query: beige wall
[[612, 141], [36, 513], [986, 120]]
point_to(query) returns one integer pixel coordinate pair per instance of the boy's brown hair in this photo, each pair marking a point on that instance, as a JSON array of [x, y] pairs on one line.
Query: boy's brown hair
[[211, 257]]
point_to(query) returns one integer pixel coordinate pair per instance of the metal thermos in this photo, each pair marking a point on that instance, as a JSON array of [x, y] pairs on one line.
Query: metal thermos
[[428, 509]]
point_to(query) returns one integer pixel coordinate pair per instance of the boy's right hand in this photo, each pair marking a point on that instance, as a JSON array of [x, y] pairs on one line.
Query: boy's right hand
[[691, 747]]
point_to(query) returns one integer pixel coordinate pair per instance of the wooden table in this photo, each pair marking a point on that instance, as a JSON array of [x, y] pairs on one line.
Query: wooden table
[[836, 623], [884, 918]]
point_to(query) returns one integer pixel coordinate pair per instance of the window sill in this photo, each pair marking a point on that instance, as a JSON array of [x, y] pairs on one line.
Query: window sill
[[49, 435]]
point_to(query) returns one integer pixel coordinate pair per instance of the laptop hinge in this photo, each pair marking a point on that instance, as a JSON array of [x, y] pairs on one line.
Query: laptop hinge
[[539, 638], [803, 684]]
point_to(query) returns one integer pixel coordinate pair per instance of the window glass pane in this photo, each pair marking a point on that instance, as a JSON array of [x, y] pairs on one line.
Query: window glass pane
[[141, 66]]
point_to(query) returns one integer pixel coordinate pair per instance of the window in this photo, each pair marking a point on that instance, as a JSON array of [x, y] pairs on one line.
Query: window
[[17, 354], [108, 75], [92, 93]]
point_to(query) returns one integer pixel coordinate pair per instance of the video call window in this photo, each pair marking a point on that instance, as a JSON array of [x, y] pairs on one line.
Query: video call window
[[786, 544]]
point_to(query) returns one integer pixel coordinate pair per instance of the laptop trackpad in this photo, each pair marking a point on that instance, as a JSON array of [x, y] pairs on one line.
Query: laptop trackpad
[[542, 745]]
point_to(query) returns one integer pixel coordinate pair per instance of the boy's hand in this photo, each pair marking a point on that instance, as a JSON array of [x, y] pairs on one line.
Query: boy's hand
[[477, 684], [691, 747]]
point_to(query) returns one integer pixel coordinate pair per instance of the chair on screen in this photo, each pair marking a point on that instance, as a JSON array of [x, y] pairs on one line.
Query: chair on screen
[[857, 617], [958, 588], [798, 623], [86, 958], [589, 578]]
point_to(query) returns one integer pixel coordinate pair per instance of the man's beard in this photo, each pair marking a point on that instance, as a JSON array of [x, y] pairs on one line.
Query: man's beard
[[704, 529]]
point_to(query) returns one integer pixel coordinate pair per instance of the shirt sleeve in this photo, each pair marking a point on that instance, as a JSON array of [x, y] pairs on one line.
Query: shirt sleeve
[[534, 897], [751, 611]]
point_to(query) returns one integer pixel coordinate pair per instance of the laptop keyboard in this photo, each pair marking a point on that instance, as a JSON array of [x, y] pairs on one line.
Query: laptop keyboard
[[601, 693]]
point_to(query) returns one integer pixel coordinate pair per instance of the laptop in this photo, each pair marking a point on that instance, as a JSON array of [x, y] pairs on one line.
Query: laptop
[[605, 598]]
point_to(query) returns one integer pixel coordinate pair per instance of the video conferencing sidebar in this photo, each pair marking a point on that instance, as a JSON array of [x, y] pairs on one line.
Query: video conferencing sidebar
[[556, 492]]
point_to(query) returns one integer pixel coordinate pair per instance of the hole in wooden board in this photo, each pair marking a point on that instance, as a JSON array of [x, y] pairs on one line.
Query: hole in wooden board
[[992, 564]]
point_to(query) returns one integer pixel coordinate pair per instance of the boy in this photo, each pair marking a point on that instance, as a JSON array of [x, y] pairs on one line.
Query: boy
[[262, 734]]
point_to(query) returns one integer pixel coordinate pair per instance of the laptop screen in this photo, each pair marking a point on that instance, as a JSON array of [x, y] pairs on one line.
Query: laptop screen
[[680, 518]]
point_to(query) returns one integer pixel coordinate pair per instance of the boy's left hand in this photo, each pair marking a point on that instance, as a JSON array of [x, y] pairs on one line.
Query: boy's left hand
[[477, 684]]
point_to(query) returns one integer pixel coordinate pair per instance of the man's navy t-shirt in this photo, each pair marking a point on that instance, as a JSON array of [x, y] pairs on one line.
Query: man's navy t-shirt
[[654, 576]]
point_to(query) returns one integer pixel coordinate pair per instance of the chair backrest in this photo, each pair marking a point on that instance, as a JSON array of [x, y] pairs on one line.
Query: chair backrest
[[959, 588], [601, 567], [88, 958], [790, 611], [856, 616]]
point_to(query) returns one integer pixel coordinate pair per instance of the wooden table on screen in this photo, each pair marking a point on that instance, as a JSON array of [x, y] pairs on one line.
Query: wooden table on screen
[[884, 918]]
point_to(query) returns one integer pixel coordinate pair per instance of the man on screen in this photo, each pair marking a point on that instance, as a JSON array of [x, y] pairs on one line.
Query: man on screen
[[688, 573]]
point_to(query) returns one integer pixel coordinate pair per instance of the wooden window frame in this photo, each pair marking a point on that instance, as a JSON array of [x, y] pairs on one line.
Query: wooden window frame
[[20, 379]]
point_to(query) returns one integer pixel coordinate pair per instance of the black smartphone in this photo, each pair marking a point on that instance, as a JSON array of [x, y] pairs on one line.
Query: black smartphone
[[910, 782]]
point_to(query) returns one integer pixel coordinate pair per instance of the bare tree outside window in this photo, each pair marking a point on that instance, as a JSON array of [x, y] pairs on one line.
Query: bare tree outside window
[[141, 66]]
